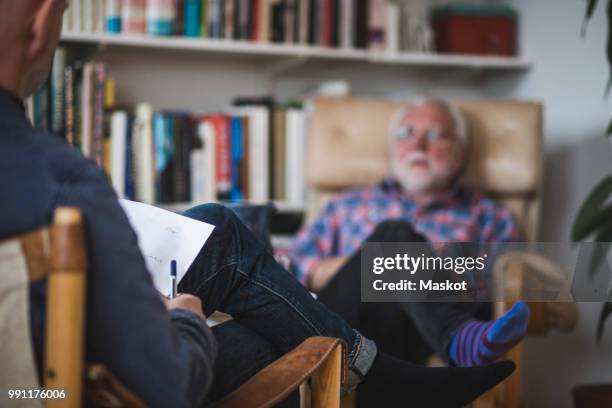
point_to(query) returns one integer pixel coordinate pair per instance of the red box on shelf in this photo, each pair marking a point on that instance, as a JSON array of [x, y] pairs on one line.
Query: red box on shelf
[[475, 29]]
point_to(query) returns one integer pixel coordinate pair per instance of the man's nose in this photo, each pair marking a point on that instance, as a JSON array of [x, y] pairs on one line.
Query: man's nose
[[420, 142]]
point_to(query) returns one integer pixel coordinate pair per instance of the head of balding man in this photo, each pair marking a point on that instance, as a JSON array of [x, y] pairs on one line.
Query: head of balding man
[[428, 146], [29, 33]]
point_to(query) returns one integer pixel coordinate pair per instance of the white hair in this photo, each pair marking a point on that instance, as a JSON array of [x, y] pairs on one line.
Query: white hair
[[459, 123]]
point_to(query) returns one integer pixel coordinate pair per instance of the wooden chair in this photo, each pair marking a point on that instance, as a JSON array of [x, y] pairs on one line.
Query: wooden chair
[[58, 253]]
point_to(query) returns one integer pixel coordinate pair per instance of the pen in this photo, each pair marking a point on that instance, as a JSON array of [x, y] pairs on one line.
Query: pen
[[173, 278]]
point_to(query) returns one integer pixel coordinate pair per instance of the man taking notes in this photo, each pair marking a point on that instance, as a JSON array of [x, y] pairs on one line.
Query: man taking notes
[[166, 355]]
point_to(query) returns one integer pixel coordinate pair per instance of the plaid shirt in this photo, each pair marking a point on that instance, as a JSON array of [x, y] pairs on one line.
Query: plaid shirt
[[347, 221]]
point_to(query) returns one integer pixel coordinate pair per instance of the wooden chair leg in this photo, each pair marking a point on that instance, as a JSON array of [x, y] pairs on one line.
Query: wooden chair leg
[[66, 309], [326, 382]]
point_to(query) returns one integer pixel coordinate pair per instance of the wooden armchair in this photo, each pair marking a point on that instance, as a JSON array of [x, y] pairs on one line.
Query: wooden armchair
[[58, 253], [347, 147]]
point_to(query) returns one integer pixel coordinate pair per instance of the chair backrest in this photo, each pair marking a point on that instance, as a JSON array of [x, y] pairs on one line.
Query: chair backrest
[[348, 147], [58, 254]]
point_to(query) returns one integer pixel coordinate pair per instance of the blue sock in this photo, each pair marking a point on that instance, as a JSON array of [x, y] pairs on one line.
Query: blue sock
[[478, 343]]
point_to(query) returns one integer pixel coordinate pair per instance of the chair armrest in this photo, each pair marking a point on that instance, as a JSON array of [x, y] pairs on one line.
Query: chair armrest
[[278, 380], [526, 270], [104, 390]]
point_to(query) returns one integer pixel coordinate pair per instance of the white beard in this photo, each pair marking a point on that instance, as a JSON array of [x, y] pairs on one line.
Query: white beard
[[434, 179]]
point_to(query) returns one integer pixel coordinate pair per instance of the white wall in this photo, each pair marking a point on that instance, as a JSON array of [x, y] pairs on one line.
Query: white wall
[[568, 75]]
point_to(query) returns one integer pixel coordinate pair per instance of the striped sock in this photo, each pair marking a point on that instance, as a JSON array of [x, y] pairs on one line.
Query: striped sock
[[479, 343]]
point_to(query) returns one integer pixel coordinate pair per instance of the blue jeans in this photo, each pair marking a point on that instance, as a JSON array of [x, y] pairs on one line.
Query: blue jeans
[[273, 313]]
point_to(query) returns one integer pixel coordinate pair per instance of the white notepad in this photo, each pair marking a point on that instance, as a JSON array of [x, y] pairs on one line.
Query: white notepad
[[164, 236]]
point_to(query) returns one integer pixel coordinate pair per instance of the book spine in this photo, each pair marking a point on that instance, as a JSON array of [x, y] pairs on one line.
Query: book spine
[[223, 155], [160, 17], [98, 114], [236, 159], [69, 104], [392, 28], [196, 169], [228, 18], [278, 22], [243, 20], [303, 12], [113, 16], [204, 19], [99, 16], [347, 23], [295, 145], [87, 16], [179, 17], [77, 16], [133, 17], [86, 108], [144, 161], [119, 125], [57, 90], [214, 19], [264, 21], [289, 23], [67, 24], [164, 151], [129, 163], [256, 20], [279, 158], [376, 24], [361, 24], [192, 18], [210, 189]]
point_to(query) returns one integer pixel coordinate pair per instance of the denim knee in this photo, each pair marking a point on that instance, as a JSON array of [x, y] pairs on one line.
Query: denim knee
[[396, 231], [211, 213]]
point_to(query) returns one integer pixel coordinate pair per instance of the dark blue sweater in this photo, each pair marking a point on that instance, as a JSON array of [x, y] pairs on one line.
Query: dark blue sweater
[[164, 357]]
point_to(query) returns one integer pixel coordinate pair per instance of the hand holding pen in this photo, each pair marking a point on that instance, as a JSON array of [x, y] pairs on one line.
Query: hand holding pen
[[182, 300]]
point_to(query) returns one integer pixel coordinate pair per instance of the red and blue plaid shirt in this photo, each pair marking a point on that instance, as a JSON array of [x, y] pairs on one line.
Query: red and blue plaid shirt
[[348, 220]]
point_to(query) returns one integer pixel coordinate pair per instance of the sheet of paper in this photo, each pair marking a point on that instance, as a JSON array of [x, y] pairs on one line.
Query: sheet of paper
[[164, 236]]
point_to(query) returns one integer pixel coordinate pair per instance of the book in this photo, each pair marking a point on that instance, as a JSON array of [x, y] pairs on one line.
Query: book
[[261, 138], [86, 108], [206, 135], [303, 16], [144, 156], [164, 152], [361, 24], [87, 16], [113, 16], [237, 156], [228, 18], [295, 131], [118, 136], [57, 91], [279, 154], [392, 28], [161, 15], [69, 104], [192, 18], [133, 17], [347, 23], [97, 133], [376, 24], [223, 171], [129, 160]]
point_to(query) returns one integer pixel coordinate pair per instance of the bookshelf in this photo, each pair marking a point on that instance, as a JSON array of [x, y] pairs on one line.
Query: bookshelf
[[307, 52]]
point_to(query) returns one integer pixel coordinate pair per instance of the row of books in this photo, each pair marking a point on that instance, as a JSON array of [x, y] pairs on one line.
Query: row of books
[[250, 151], [330, 23]]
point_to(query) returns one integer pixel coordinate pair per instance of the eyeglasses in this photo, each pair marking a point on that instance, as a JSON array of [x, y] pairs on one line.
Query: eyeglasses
[[431, 135]]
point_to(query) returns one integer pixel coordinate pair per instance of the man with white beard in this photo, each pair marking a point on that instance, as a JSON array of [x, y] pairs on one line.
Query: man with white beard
[[419, 202]]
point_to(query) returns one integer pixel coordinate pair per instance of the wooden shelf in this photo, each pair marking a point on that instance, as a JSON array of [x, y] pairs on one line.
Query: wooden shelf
[[298, 51]]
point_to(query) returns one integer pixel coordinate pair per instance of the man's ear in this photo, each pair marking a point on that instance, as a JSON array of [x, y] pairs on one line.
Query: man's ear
[[46, 26]]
